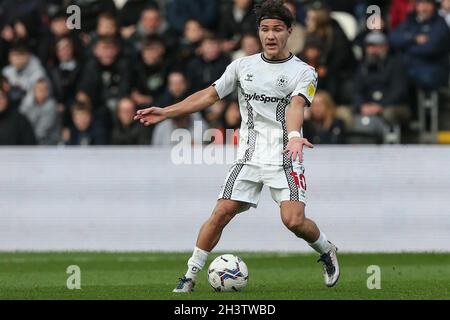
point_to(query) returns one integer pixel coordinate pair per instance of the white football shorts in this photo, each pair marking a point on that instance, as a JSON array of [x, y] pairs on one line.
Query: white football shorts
[[245, 181]]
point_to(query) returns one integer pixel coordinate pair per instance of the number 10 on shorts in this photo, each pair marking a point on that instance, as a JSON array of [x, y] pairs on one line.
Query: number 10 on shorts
[[300, 180]]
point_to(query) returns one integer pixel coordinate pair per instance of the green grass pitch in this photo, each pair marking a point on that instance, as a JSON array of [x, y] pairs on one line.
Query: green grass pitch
[[271, 276]]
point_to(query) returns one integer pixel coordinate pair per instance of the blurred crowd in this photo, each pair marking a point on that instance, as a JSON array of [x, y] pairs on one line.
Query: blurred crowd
[[82, 86]]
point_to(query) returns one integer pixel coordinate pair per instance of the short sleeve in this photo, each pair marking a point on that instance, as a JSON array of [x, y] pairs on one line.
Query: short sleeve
[[306, 86], [227, 82]]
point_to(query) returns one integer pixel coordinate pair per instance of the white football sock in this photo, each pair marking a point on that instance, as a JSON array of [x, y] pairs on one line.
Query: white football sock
[[321, 245], [196, 263]]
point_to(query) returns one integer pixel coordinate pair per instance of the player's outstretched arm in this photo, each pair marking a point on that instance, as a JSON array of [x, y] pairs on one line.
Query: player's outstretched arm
[[195, 102], [294, 122]]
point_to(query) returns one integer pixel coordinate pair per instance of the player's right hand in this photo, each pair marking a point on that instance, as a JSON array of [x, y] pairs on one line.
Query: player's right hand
[[150, 116]]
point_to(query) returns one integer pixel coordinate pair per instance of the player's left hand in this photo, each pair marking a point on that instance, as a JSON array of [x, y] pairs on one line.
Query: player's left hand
[[294, 148]]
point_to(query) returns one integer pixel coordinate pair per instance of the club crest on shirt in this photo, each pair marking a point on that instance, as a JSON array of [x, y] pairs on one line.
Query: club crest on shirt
[[282, 81], [249, 77]]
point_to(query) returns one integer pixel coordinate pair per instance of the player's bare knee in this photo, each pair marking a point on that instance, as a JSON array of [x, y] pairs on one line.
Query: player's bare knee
[[221, 217], [295, 222]]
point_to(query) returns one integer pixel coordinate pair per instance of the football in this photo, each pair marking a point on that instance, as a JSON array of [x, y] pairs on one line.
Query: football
[[228, 273]]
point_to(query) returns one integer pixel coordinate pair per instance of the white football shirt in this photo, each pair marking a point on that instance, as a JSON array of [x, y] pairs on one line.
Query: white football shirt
[[265, 88]]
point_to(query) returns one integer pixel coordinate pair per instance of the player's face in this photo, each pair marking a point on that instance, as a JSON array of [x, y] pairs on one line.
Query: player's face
[[274, 34]]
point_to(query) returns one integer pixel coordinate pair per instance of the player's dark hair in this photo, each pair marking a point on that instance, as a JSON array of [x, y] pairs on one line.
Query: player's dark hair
[[274, 9]]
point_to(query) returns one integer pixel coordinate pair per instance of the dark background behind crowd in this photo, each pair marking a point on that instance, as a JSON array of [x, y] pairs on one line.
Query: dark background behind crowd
[[82, 86]]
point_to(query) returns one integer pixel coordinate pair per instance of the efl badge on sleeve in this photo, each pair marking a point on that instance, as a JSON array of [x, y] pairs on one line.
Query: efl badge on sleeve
[[311, 90]]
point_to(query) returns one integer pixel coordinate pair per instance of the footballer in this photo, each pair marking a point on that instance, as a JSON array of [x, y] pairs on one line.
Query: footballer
[[274, 87]]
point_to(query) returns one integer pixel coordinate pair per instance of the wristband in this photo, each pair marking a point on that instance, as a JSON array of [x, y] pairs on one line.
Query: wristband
[[294, 134]]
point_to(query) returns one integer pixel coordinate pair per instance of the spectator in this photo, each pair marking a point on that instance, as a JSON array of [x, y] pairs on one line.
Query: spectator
[[424, 42], [180, 11], [236, 19], [314, 56], [23, 71], [323, 127], [151, 23], [150, 72], [58, 29], [337, 54], [65, 75], [41, 111], [6, 37], [27, 11], [231, 121], [377, 24], [204, 69], [126, 131], [15, 129], [23, 20], [232, 116], [162, 135], [85, 131], [249, 45], [107, 27], [444, 11], [297, 39], [58, 25], [208, 65], [193, 35], [398, 12], [345, 5], [381, 85], [23, 34], [177, 89], [14, 96], [129, 13], [52, 7], [91, 9], [106, 79]]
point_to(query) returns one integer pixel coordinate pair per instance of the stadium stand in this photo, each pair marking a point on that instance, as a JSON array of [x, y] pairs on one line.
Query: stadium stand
[[126, 49]]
